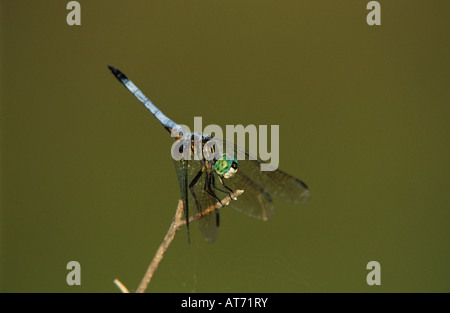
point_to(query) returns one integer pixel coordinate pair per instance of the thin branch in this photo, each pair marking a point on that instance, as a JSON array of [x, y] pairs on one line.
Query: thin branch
[[161, 250], [178, 221], [212, 208], [121, 286]]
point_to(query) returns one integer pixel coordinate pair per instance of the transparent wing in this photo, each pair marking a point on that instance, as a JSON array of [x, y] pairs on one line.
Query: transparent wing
[[255, 201], [276, 183], [197, 196], [181, 168]]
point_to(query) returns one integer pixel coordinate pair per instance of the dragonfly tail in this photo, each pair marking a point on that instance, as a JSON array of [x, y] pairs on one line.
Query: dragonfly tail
[[168, 124]]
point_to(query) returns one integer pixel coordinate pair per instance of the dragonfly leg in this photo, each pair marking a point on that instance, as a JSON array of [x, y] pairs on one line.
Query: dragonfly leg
[[208, 183], [212, 193], [191, 187], [183, 186], [229, 191], [223, 184]]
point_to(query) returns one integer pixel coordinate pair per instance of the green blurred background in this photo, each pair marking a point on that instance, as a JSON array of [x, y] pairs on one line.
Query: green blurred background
[[86, 173]]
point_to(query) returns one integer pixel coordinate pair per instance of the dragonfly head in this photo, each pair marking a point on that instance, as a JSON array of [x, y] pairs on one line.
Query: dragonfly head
[[226, 166]]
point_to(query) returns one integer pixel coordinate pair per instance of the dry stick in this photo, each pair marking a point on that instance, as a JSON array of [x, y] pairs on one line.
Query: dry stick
[[121, 286], [174, 227]]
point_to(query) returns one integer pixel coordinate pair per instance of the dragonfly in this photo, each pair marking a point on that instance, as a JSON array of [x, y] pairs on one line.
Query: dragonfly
[[211, 175]]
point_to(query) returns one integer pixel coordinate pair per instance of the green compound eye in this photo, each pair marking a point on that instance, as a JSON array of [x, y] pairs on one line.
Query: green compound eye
[[226, 166]]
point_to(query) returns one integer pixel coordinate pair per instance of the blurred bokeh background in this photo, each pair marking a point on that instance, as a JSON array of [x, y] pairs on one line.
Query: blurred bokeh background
[[86, 172]]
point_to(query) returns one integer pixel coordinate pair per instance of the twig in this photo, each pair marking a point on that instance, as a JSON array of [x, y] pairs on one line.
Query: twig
[[174, 227], [121, 286]]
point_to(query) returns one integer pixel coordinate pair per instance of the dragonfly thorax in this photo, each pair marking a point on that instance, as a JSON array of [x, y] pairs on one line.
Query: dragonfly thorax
[[226, 166]]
